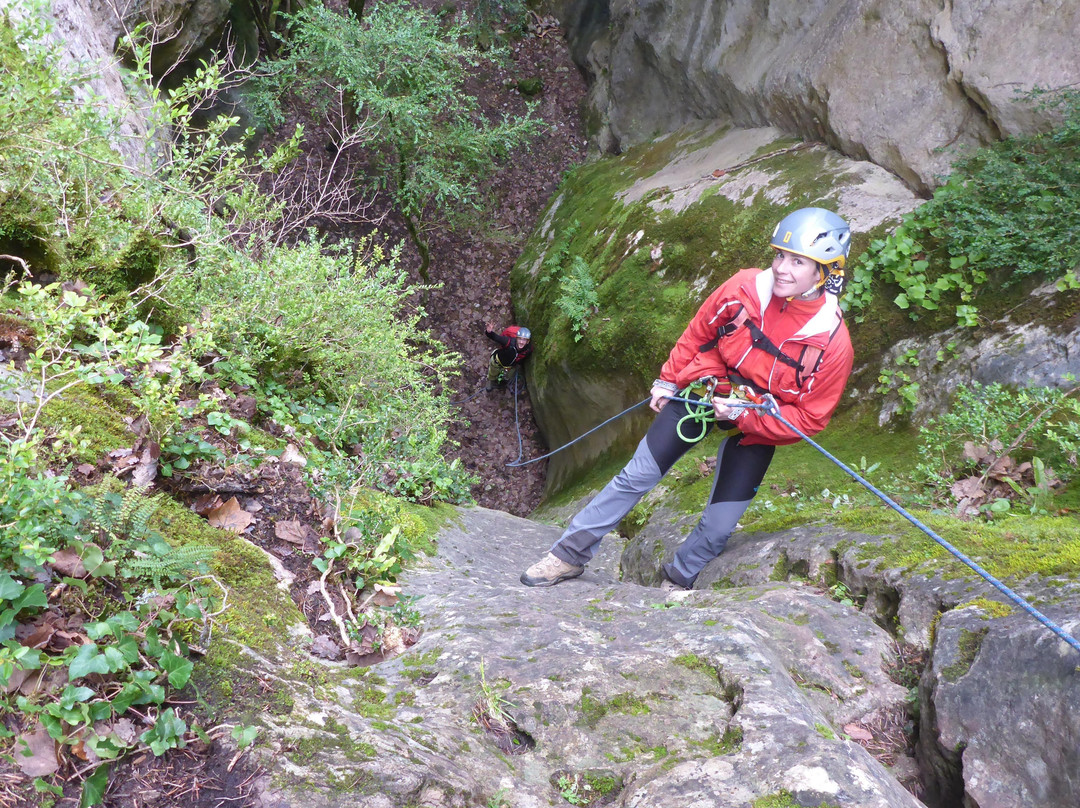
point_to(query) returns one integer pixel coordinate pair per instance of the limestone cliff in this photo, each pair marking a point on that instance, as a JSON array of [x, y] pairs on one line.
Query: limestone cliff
[[904, 85]]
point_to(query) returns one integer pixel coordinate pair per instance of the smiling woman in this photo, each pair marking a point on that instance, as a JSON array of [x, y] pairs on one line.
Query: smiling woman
[[778, 332]]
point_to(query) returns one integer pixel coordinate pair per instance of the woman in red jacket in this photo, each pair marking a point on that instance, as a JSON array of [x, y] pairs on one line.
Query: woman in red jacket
[[777, 331]]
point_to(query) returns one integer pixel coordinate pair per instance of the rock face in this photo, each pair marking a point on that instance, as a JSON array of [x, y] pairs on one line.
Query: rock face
[[711, 698], [1017, 351], [995, 729], [620, 694], [890, 82], [1014, 733], [89, 32]]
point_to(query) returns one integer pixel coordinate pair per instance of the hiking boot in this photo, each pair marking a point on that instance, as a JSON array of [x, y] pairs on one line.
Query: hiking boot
[[671, 580], [668, 585], [549, 571]]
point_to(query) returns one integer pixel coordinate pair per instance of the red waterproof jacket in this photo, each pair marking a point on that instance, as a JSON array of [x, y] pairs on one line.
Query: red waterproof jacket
[[723, 340]]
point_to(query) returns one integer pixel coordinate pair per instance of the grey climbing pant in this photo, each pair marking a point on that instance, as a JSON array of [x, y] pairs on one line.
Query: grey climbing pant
[[739, 471]]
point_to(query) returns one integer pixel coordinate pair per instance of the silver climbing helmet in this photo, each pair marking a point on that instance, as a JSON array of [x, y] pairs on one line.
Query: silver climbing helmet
[[815, 233], [524, 333]]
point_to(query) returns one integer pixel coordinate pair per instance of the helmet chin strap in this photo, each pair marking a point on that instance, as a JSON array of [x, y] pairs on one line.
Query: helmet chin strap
[[812, 293]]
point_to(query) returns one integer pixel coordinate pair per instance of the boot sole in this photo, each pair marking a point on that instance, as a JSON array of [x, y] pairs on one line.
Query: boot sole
[[566, 576]]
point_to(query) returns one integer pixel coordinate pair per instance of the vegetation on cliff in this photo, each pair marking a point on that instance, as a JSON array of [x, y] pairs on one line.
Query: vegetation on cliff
[[177, 327]]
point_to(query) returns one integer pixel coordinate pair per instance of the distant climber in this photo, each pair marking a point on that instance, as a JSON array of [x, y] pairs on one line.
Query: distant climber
[[515, 346]]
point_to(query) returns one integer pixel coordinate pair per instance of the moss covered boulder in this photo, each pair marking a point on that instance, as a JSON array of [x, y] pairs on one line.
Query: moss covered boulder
[[630, 246]]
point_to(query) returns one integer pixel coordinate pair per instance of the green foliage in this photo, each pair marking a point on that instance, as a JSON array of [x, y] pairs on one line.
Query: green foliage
[[122, 528], [38, 513], [577, 296], [400, 81], [491, 20], [1008, 211], [377, 377], [568, 790], [68, 202], [987, 423]]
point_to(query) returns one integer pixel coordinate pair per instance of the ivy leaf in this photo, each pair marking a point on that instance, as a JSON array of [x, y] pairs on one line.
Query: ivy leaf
[[9, 587], [88, 660], [901, 301], [167, 733], [178, 668], [93, 791]]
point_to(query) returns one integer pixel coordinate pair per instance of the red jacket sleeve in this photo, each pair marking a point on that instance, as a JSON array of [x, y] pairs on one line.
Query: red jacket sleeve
[[699, 331], [813, 409]]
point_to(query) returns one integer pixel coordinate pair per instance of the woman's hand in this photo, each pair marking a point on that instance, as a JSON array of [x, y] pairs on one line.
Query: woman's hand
[[659, 398], [724, 410]]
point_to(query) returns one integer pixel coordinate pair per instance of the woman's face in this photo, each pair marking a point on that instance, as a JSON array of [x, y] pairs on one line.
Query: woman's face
[[794, 274]]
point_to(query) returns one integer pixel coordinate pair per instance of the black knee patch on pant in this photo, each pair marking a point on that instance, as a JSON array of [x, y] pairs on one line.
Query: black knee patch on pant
[[740, 470], [663, 439]]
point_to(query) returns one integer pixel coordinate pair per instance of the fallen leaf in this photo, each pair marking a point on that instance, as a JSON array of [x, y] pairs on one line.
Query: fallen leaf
[[325, 648], [40, 637], [68, 562], [968, 488], [140, 426], [144, 474], [85, 469], [291, 530], [15, 680], [125, 730], [292, 455], [230, 516], [206, 503], [385, 595], [35, 753], [857, 733]]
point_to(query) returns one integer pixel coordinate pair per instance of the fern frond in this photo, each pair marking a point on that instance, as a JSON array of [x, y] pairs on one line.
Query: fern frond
[[177, 564]]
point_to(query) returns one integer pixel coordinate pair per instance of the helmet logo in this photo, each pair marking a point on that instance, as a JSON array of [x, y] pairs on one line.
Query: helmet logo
[[787, 237]]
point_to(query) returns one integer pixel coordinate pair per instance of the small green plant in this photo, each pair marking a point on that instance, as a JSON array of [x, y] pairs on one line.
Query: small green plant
[[491, 710], [577, 296], [568, 790], [841, 594], [995, 444]]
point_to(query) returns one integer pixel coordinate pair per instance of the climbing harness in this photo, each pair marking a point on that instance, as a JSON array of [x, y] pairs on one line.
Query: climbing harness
[[767, 404], [773, 409]]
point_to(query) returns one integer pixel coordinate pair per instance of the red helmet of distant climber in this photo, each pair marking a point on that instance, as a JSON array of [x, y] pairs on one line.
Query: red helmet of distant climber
[[517, 332]]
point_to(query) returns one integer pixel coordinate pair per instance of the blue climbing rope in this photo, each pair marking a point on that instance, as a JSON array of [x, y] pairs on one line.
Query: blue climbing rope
[[516, 464], [773, 409], [517, 424], [697, 401]]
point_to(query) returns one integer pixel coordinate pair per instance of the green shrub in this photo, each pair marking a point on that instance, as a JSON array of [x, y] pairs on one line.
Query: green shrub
[[1007, 212], [399, 77], [984, 423], [577, 296]]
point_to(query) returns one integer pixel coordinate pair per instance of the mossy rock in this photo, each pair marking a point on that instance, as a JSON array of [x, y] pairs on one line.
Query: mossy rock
[[660, 227]]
